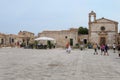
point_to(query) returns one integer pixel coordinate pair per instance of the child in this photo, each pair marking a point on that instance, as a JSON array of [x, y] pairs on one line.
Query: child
[[114, 46]]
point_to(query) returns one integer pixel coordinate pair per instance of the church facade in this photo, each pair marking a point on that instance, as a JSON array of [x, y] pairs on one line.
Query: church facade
[[102, 31]]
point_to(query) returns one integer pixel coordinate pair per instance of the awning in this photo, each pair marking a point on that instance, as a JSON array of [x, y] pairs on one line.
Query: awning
[[44, 38]]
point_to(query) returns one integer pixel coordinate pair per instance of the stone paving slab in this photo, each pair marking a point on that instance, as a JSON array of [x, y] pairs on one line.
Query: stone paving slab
[[57, 64]]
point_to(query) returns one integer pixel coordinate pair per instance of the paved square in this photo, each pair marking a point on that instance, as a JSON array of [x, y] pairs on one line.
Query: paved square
[[57, 64]]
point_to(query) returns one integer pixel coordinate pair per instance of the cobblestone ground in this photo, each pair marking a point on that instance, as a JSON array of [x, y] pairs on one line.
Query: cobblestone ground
[[57, 64]]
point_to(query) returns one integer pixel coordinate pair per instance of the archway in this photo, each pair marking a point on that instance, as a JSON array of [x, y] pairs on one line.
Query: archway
[[102, 40]]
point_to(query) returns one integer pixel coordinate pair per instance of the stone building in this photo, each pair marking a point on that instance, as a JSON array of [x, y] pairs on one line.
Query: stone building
[[11, 40], [83, 39], [102, 31], [27, 37], [2, 39], [8, 40], [62, 37], [15, 40]]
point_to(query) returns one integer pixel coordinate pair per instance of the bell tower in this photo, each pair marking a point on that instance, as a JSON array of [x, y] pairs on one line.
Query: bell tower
[[92, 16]]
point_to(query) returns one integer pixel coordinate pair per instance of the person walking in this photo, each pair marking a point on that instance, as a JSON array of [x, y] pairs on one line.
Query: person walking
[[106, 50], [69, 49], [67, 45], [102, 49], [95, 48], [118, 50], [114, 46]]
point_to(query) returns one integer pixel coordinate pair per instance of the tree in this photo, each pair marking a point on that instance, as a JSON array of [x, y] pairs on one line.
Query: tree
[[82, 30]]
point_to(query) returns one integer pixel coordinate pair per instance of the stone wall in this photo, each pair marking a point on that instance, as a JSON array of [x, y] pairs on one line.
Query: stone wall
[[62, 37]]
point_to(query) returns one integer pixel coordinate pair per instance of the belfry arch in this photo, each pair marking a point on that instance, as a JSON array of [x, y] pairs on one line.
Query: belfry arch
[[92, 14]]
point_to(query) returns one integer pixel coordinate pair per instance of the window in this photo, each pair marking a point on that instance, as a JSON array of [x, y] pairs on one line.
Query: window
[[66, 37], [102, 28], [12, 40]]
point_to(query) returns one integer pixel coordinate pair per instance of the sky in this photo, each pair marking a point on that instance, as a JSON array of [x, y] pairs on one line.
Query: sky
[[39, 15]]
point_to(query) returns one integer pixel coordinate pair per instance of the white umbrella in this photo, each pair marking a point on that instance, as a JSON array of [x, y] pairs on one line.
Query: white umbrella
[[44, 38]]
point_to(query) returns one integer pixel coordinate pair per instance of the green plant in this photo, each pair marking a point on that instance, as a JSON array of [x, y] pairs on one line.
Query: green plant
[[35, 44], [49, 44]]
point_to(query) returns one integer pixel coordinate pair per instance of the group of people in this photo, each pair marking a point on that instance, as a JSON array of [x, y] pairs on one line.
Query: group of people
[[104, 49]]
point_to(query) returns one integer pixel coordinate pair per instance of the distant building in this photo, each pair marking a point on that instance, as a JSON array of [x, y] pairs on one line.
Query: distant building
[[2, 39], [8, 40], [102, 31], [15, 40], [62, 37], [27, 37]]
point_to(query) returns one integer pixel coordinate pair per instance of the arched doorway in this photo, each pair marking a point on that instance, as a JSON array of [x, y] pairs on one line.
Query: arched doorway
[[85, 41], [102, 40], [2, 41], [71, 41]]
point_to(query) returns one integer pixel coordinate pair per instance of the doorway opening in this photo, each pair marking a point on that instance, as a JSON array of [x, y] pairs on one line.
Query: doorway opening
[[102, 40]]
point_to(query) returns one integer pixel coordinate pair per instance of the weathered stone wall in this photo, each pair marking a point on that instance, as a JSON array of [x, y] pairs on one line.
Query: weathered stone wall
[[108, 26], [62, 37], [81, 38], [94, 38]]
